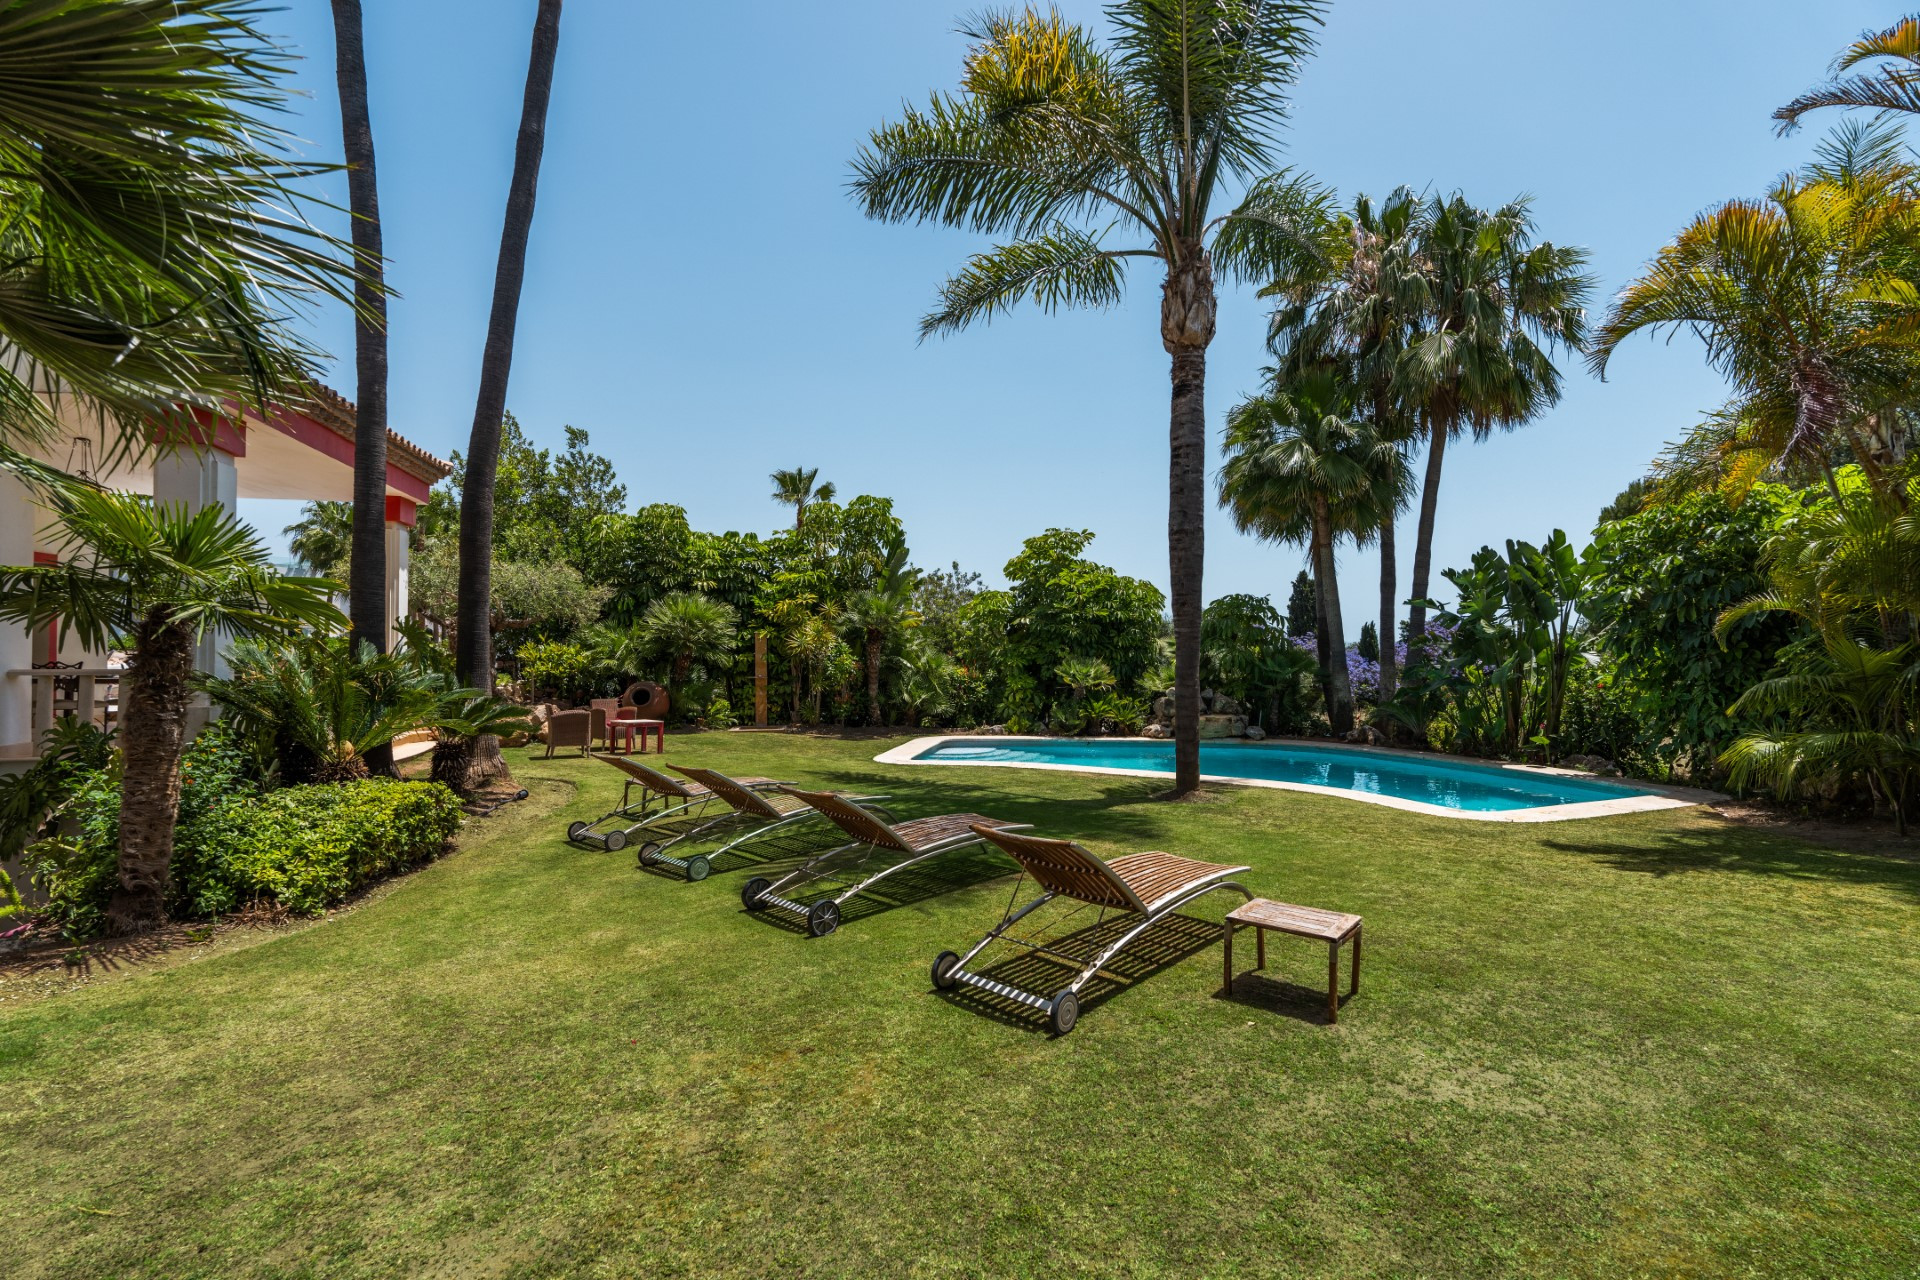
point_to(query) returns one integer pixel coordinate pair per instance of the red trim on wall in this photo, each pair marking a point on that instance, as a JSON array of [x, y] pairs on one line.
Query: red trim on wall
[[323, 440], [402, 511]]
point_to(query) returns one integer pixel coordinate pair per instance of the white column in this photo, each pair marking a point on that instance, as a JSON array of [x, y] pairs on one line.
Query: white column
[[398, 572], [200, 479], [18, 518]]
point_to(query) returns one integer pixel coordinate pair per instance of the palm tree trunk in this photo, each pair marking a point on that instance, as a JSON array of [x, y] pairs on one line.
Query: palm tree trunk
[[367, 569], [1187, 314], [1322, 633], [1389, 610], [1437, 431], [1327, 585], [153, 734], [874, 642], [474, 657]]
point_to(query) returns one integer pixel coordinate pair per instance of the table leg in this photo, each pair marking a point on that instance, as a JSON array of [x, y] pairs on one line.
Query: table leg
[[1226, 982], [1354, 990], [1333, 982], [1260, 947]]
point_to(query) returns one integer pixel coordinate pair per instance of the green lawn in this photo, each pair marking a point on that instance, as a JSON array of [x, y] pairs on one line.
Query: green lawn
[[1654, 1045]]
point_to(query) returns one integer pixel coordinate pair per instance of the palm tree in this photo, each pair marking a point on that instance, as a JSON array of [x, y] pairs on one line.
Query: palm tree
[[878, 612], [1303, 465], [796, 489], [367, 573], [153, 238], [1055, 141], [322, 538], [473, 657], [1805, 303], [1497, 306], [156, 579], [686, 627], [1895, 89]]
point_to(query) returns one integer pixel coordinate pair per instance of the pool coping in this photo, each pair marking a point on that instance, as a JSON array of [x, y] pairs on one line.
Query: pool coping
[[1660, 795]]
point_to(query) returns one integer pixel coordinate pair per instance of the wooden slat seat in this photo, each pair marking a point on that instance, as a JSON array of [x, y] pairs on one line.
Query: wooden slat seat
[[923, 833], [1132, 882]]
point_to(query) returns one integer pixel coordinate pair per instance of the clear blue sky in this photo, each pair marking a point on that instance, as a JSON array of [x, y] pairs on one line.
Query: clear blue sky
[[704, 298]]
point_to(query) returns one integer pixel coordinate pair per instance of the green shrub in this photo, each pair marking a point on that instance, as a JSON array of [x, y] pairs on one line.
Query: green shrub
[[555, 666]]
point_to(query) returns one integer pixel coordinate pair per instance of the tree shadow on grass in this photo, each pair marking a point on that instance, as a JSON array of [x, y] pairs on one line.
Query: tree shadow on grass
[[1740, 849], [1170, 941]]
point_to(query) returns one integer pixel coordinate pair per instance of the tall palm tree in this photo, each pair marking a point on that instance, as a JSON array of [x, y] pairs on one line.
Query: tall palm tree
[[367, 569], [473, 656], [1498, 305], [1055, 141], [686, 627], [322, 538], [1304, 466], [795, 488], [1895, 88], [157, 580], [153, 238], [1806, 304], [1368, 299]]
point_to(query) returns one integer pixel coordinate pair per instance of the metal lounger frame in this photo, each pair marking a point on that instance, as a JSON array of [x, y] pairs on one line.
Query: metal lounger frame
[[821, 868], [673, 810], [1093, 875], [654, 853]]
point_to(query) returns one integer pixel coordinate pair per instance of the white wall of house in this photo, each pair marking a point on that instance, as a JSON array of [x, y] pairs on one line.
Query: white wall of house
[[18, 520]]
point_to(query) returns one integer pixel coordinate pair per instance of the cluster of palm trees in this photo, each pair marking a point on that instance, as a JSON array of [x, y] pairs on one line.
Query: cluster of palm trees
[[1416, 321]]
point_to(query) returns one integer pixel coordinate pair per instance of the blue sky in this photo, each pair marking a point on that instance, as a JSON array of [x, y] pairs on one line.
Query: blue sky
[[703, 297]]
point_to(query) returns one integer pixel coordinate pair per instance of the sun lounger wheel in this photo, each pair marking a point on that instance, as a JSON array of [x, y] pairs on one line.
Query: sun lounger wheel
[[750, 892], [1063, 1012], [616, 840], [943, 966], [574, 829], [823, 917], [698, 867]]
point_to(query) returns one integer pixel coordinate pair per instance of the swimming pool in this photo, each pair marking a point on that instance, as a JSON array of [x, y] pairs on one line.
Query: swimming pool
[[1401, 779]]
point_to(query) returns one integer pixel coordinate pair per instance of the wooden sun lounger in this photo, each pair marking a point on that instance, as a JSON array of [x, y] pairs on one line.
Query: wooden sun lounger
[[667, 807], [850, 868], [770, 813], [1149, 885]]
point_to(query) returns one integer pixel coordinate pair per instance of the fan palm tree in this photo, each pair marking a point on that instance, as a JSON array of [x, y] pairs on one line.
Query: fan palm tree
[[1055, 141], [686, 627], [367, 574], [1367, 298], [473, 655], [796, 488], [1895, 87], [153, 240], [1304, 466], [1806, 304], [1497, 307], [156, 580]]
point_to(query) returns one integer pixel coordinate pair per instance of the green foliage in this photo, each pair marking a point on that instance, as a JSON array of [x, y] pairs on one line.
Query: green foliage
[[1245, 654], [1061, 606], [550, 596], [555, 667], [322, 538], [1368, 646], [1659, 582], [69, 751], [546, 507], [1303, 606], [687, 628]]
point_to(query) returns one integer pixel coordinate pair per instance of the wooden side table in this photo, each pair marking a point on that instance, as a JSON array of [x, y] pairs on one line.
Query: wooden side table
[[658, 728], [1330, 927]]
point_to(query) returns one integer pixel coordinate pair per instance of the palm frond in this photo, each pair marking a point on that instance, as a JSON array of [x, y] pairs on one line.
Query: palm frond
[[1063, 268]]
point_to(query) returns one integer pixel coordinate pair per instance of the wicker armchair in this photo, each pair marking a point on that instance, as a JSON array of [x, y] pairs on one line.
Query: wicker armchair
[[580, 729]]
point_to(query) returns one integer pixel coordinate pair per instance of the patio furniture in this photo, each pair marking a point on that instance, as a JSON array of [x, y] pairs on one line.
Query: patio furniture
[[1150, 886], [658, 728], [774, 816], [1330, 927], [570, 729], [856, 868], [667, 806]]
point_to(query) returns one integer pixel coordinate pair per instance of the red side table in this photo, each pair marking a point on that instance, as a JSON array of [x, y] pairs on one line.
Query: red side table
[[629, 728]]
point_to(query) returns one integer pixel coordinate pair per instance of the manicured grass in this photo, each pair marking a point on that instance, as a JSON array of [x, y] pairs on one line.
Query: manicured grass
[[1653, 1045]]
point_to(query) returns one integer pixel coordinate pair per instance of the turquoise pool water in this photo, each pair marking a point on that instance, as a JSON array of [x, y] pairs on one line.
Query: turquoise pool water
[[1444, 783]]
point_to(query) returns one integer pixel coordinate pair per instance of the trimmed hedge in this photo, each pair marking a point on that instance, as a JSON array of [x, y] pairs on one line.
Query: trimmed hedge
[[304, 848]]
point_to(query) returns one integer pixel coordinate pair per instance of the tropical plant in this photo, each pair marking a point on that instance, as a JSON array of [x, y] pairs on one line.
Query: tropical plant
[[1061, 605], [1250, 659], [1054, 141], [322, 538], [876, 614], [1806, 304], [318, 705], [1891, 88], [795, 488], [154, 239], [1498, 306], [460, 719], [928, 680], [1546, 589], [473, 639], [560, 667], [70, 749], [1303, 467], [685, 628], [155, 580]]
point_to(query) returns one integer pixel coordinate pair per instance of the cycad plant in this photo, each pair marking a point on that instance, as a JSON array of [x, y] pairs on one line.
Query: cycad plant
[[1059, 143], [156, 580]]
